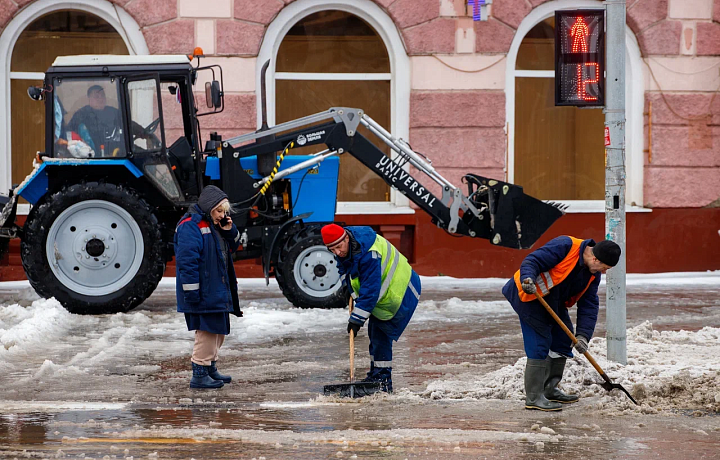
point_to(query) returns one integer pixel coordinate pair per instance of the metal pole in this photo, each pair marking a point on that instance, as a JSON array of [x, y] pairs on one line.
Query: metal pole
[[615, 178]]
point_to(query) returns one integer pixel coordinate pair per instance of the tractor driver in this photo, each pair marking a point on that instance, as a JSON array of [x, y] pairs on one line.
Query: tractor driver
[[98, 125]]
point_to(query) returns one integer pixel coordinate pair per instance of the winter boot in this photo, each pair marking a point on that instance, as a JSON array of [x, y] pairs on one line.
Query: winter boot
[[385, 377], [556, 366], [217, 375], [201, 379], [370, 377], [535, 373], [382, 375]]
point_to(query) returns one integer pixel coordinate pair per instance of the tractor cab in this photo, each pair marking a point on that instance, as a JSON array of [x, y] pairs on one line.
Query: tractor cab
[[135, 108]]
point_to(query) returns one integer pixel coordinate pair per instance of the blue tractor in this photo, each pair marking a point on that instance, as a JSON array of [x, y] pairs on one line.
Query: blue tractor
[[116, 176]]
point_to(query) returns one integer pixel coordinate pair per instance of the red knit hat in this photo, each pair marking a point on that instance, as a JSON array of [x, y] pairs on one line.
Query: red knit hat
[[332, 234]]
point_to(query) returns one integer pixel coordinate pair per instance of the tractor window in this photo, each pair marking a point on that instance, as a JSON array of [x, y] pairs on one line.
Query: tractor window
[[144, 116], [86, 120], [172, 109]]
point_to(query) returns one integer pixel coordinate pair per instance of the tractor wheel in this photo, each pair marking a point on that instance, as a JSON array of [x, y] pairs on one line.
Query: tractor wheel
[[4, 245], [95, 247], [307, 272]]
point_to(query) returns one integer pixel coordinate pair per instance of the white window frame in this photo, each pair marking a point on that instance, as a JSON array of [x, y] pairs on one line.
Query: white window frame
[[399, 78], [634, 106], [117, 17]]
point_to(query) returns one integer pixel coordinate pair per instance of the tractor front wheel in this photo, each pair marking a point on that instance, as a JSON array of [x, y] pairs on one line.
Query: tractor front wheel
[[307, 272], [95, 247]]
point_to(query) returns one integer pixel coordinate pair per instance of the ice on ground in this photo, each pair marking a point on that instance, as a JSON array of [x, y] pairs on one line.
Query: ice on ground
[[669, 369]]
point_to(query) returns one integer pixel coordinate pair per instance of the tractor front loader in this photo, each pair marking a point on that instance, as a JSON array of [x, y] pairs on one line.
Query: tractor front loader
[[107, 192]]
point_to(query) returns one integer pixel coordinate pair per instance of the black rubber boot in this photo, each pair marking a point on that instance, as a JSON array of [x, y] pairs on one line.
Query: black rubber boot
[[217, 375], [535, 373], [556, 367], [201, 379], [382, 375]]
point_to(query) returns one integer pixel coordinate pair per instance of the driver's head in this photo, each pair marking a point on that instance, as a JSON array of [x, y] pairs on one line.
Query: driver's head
[[96, 97]]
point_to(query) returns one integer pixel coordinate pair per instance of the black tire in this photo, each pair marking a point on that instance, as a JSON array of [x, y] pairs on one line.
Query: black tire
[[4, 245], [137, 279], [330, 295]]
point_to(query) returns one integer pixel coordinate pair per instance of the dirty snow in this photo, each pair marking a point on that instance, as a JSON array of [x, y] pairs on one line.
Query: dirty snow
[[677, 369]]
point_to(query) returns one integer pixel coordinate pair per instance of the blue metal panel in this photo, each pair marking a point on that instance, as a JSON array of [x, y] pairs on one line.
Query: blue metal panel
[[36, 184], [318, 193], [212, 168]]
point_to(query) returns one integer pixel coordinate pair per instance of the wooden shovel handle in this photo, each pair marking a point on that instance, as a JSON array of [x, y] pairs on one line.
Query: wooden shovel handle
[[572, 337], [352, 345]]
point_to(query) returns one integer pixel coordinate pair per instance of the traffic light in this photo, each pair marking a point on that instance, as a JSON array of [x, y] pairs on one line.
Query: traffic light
[[580, 58]]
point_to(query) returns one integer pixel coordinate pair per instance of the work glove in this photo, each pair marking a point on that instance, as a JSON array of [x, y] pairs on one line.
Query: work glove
[[582, 344], [354, 327], [528, 286]]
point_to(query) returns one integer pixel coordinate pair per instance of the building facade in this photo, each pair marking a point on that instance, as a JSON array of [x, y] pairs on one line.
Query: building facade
[[474, 96]]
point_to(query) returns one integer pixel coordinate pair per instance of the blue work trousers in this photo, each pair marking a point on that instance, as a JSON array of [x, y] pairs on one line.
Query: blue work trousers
[[382, 333], [540, 344]]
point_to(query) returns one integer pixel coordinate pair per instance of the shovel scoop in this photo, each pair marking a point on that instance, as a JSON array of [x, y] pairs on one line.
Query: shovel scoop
[[352, 389], [607, 384]]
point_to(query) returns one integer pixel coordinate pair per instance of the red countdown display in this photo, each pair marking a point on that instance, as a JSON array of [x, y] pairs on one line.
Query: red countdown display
[[580, 58]]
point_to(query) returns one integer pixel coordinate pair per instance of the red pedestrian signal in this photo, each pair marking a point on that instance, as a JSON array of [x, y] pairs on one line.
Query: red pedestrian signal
[[580, 58]]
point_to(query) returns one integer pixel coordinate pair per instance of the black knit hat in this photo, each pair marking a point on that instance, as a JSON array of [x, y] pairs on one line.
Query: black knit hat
[[210, 197], [607, 252]]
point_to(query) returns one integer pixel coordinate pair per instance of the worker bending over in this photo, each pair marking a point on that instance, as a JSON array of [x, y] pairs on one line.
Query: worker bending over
[[386, 290], [564, 272]]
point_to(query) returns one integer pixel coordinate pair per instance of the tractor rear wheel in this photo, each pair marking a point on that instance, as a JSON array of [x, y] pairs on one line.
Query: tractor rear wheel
[[307, 272], [95, 247]]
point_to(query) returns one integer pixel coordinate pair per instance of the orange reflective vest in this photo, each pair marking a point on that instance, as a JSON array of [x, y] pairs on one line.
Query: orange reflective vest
[[556, 275]]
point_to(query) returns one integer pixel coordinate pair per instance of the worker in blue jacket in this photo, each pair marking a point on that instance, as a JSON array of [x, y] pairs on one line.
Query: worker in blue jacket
[[206, 286], [386, 291], [566, 271]]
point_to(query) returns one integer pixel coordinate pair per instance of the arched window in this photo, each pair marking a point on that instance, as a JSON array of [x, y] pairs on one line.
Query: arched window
[[333, 58], [558, 153], [59, 33]]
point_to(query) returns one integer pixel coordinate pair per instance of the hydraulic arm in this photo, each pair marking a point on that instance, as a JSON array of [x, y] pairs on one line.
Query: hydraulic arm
[[492, 209]]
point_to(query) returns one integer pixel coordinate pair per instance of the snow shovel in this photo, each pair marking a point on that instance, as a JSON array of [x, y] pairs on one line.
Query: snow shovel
[[352, 389], [607, 384]]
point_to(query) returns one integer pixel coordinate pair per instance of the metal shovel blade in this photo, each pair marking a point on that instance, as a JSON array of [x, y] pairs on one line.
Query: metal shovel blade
[[352, 390], [609, 386]]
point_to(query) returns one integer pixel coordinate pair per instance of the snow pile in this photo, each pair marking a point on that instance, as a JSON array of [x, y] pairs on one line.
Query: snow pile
[[22, 327], [669, 369]]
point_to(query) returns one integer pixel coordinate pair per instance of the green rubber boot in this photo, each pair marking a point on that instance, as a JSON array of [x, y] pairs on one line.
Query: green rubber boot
[[556, 367], [535, 376]]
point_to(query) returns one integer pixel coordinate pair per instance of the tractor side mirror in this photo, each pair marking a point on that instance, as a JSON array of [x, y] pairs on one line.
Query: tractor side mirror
[[35, 93], [213, 94]]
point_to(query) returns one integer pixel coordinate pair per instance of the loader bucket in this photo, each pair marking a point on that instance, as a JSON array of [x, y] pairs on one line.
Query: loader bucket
[[510, 218]]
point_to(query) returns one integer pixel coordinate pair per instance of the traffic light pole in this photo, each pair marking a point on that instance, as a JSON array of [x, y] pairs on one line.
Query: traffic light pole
[[615, 178]]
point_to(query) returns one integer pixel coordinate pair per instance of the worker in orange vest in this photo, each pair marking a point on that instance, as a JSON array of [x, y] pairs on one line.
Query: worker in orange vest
[[566, 271]]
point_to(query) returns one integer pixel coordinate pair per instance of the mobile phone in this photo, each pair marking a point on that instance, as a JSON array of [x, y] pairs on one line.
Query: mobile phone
[[224, 221]]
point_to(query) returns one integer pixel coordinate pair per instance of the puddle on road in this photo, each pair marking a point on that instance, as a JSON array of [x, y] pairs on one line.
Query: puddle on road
[[273, 408]]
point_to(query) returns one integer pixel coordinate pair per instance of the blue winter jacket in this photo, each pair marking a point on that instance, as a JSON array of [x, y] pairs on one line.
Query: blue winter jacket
[[361, 263], [543, 259], [206, 281]]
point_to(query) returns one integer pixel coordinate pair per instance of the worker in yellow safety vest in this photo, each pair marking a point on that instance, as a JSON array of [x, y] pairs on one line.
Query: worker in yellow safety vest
[[386, 291]]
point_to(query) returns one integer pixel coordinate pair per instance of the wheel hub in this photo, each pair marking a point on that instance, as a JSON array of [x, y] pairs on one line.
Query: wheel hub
[[95, 247], [320, 270]]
